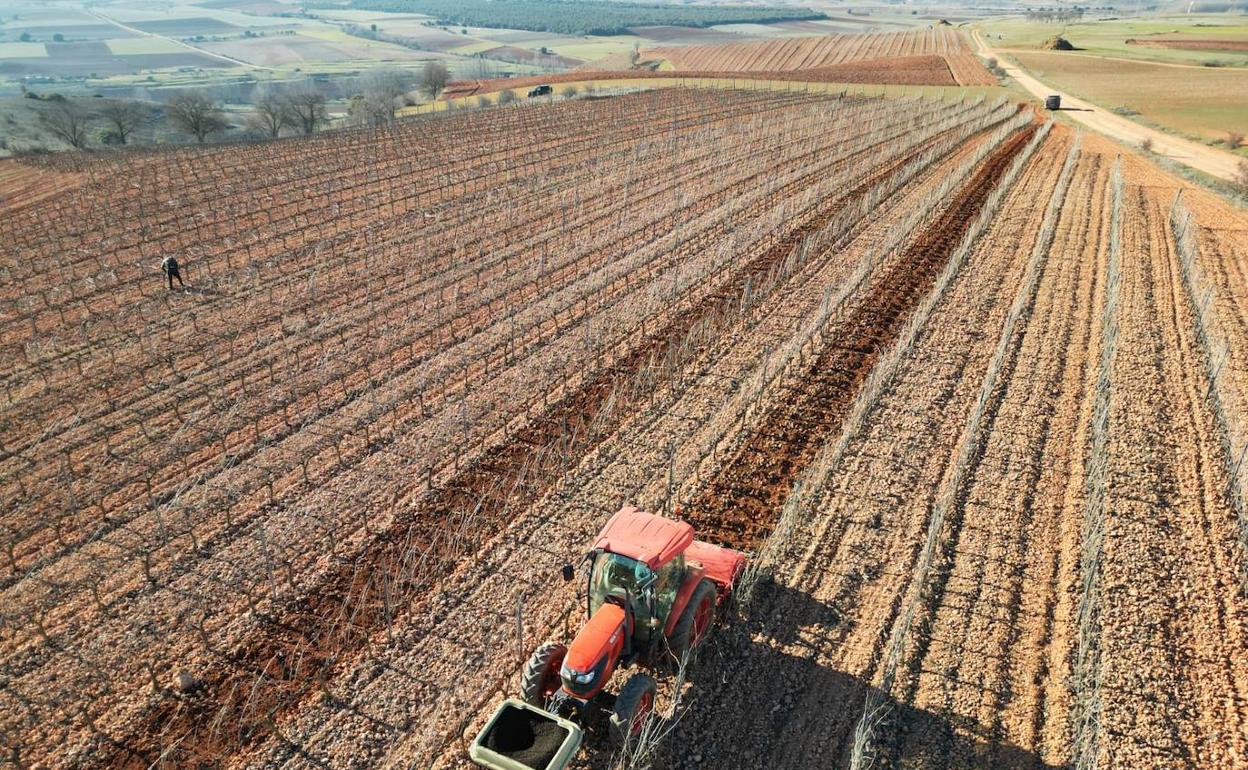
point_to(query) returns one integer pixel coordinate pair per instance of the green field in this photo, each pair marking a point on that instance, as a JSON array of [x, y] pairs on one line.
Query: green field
[[1108, 38]]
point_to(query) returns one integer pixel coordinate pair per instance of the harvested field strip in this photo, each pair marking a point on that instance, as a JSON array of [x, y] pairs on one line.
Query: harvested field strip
[[867, 734], [1086, 669], [975, 589], [738, 508], [1226, 399]]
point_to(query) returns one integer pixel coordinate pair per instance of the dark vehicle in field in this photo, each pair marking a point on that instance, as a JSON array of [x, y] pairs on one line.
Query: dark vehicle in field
[[540, 91], [1053, 102]]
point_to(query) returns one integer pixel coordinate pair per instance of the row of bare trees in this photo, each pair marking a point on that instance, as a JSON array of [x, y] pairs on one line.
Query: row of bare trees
[[276, 109], [71, 123]]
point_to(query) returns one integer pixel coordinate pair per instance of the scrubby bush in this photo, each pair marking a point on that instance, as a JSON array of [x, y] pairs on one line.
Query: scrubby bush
[[1241, 177]]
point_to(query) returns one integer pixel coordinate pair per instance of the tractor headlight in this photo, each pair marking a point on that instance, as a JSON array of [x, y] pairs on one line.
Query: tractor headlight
[[572, 676]]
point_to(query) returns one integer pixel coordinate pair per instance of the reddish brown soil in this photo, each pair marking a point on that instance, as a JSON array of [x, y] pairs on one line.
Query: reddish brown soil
[[22, 184], [814, 53], [1190, 43], [333, 482], [739, 505], [911, 70]]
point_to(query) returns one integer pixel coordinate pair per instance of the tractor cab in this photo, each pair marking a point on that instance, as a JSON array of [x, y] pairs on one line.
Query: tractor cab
[[638, 562]]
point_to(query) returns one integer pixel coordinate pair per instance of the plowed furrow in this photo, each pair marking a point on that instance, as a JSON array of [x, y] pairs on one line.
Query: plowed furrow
[[740, 505]]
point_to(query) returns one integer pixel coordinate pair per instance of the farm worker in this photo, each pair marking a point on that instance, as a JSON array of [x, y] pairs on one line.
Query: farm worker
[[170, 265]]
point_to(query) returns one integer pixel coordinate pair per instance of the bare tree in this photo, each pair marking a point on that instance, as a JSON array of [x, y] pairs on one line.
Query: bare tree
[[1241, 176], [1234, 139], [196, 114], [382, 91], [307, 108], [122, 117], [272, 113], [434, 78], [506, 96], [68, 122]]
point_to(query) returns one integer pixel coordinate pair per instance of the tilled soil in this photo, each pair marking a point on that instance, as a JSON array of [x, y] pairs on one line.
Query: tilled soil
[[374, 461], [1174, 633], [988, 665]]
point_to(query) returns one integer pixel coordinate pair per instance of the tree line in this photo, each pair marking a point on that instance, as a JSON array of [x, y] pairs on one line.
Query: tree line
[[576, 17], [275, 110], [1051, 15]]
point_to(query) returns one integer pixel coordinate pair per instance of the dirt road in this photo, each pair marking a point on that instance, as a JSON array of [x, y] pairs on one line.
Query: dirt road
[[1210, 160]]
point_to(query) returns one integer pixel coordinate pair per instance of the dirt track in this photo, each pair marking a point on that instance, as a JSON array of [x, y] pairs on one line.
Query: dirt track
[[1210, 160]]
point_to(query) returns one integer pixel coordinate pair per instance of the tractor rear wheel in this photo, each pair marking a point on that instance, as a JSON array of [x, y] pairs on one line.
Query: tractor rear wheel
[[632, 707], [541, 674], [694, 621]]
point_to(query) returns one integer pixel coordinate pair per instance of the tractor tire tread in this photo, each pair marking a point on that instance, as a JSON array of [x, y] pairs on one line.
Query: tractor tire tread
[[549, 655], [626, 703], [681, 637]]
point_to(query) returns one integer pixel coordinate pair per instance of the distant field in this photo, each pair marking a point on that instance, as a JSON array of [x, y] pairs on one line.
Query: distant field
[[261, 7], [298, 49], [30, 16], [143, 45], [669, 35], [71, 32], [22, 50], [1203, 102], [472, 46], [574, 16], [1109, 38], [186, 27], [944, 50]]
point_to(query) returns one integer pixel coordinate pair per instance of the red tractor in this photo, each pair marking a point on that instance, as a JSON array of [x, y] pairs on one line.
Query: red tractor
[[652, 594]]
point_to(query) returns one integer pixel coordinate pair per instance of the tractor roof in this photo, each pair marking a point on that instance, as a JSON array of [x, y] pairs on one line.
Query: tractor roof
[[653, 540]]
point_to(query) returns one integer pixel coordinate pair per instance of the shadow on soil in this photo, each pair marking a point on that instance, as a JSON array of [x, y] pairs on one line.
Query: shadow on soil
[[759, 698]]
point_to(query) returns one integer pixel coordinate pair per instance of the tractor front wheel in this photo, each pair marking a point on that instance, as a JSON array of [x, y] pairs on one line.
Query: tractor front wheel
[[541, 674], [633, 707], [694, 621]]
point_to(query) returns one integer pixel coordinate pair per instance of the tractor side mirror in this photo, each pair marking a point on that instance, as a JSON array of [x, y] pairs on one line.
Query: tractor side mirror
[[567, 572]]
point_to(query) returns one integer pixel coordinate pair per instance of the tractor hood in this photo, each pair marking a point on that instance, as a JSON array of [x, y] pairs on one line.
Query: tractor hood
[[594, 652], [603, 633]]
